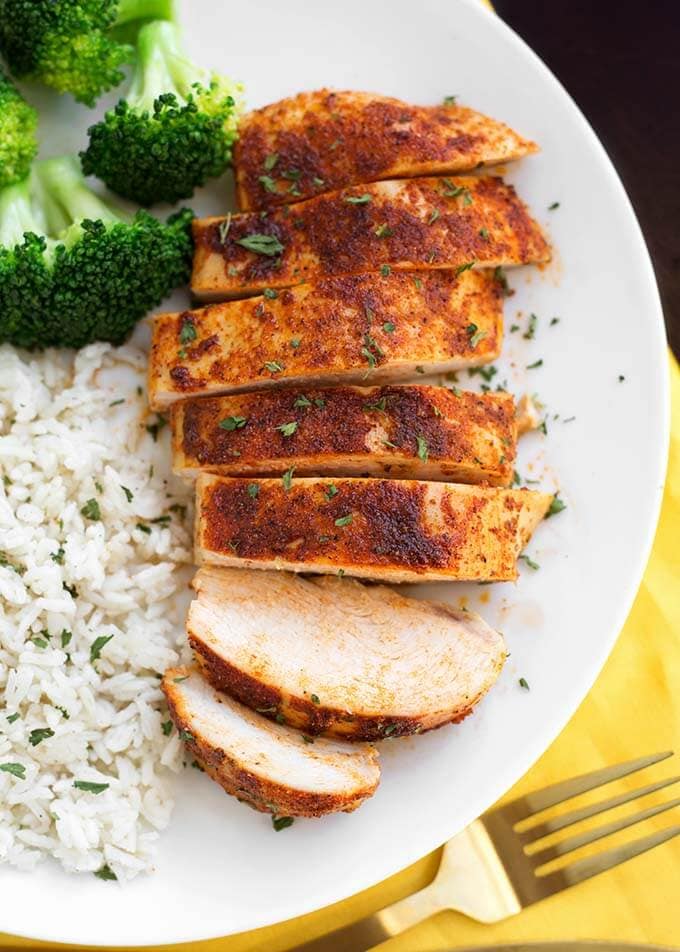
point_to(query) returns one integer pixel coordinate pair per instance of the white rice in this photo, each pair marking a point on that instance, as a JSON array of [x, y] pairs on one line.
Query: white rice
[[101, 721]]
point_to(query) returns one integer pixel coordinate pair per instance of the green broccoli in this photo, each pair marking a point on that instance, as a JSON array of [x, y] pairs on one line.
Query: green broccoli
[[67, 44], [72, 270], [174, 130], [18, 123]]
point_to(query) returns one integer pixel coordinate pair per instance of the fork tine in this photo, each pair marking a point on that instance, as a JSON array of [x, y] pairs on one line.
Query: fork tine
[[571, 843], [538, 830], [594, 865], [539, 800]]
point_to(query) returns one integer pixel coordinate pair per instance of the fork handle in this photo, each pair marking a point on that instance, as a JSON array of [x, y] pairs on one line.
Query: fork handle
[[382, 925]]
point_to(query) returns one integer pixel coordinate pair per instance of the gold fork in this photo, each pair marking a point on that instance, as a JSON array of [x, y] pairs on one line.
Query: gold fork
[[489, 872]]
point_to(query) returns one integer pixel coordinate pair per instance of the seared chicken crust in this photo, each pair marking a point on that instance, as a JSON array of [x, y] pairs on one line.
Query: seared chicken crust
[[360, 329], [403, 224], [323, 140], [415, 432], [265, 764], [387, 529], [335, 657]]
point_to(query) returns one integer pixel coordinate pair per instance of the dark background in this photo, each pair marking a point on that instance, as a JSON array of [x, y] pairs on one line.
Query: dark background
[[621, 63]]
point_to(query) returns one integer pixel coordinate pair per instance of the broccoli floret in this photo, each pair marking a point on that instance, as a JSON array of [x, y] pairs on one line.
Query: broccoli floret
[[175, 129], [18, 123], [67, 44], [72, 270]]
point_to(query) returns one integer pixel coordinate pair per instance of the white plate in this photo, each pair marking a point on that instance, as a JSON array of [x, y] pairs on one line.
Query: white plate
[[221, 868]]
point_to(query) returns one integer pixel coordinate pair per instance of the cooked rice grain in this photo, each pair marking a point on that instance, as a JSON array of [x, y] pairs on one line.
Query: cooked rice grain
[[92, 597]]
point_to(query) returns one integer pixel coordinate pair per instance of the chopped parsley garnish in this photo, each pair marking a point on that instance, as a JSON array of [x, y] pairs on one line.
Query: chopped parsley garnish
[[253, 490], [553, 206], [376, 405], [318, 181], [38, 735], [153, 429], [464, 267], [273, 366], [555, 506], [450, 100], [514, 328], [621, 378], [223, 228], [128, 493], [383, 231], [267, 183], [117, 403], [420, 369], [314, 698], [331, 491], [270, 294], [143, 528], [287, 478], [71, 589], [91, 510], [523, 683], [293, 175], [295, 343], [90, 787], [365, 352], [97, 645], [58, 556], [106, 873], [307, 740], [188, 331], [5, 562], [186, 736], [287, 429], [385, 270], [389, 327], [536, 363], [423, 450], [270, 161], [450, 190], [433, 217], [418, 283], [281, 822], [39, 642], [530, 562], [475, 335], [484, 233], [184, 677], [233, 423], [516, 478], [267, 245], [554, 320], [531, 328], [500, 277], [11, 718], [390, 444], [17, 770], [344, 520], [166, 727], [358, 199], [302, 401]]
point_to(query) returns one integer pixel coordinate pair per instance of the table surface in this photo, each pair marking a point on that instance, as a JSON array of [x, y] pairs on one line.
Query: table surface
[[621, 64]]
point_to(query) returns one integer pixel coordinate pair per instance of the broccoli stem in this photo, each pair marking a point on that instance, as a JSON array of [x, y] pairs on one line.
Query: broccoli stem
[[129, 10], [17, 215], [162, 66], [66, 198]]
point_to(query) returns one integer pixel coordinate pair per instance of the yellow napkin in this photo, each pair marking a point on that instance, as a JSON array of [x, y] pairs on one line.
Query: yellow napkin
[[633, 709]]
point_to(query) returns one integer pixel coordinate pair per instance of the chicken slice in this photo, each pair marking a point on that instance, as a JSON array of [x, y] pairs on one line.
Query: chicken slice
[[387, 529], [361, 329], [323, 140], [415, 432], [420, 223], [336, 657], [269, 766]]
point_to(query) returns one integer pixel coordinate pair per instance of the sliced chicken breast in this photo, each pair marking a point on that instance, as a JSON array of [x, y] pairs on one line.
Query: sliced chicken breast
[[416, 432], [336, 657], [420, 223], [387, 529], [361, 329], [269, 766], [318, 141]]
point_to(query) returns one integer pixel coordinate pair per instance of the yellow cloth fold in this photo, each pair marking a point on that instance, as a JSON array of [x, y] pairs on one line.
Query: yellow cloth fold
[[633, 709]]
